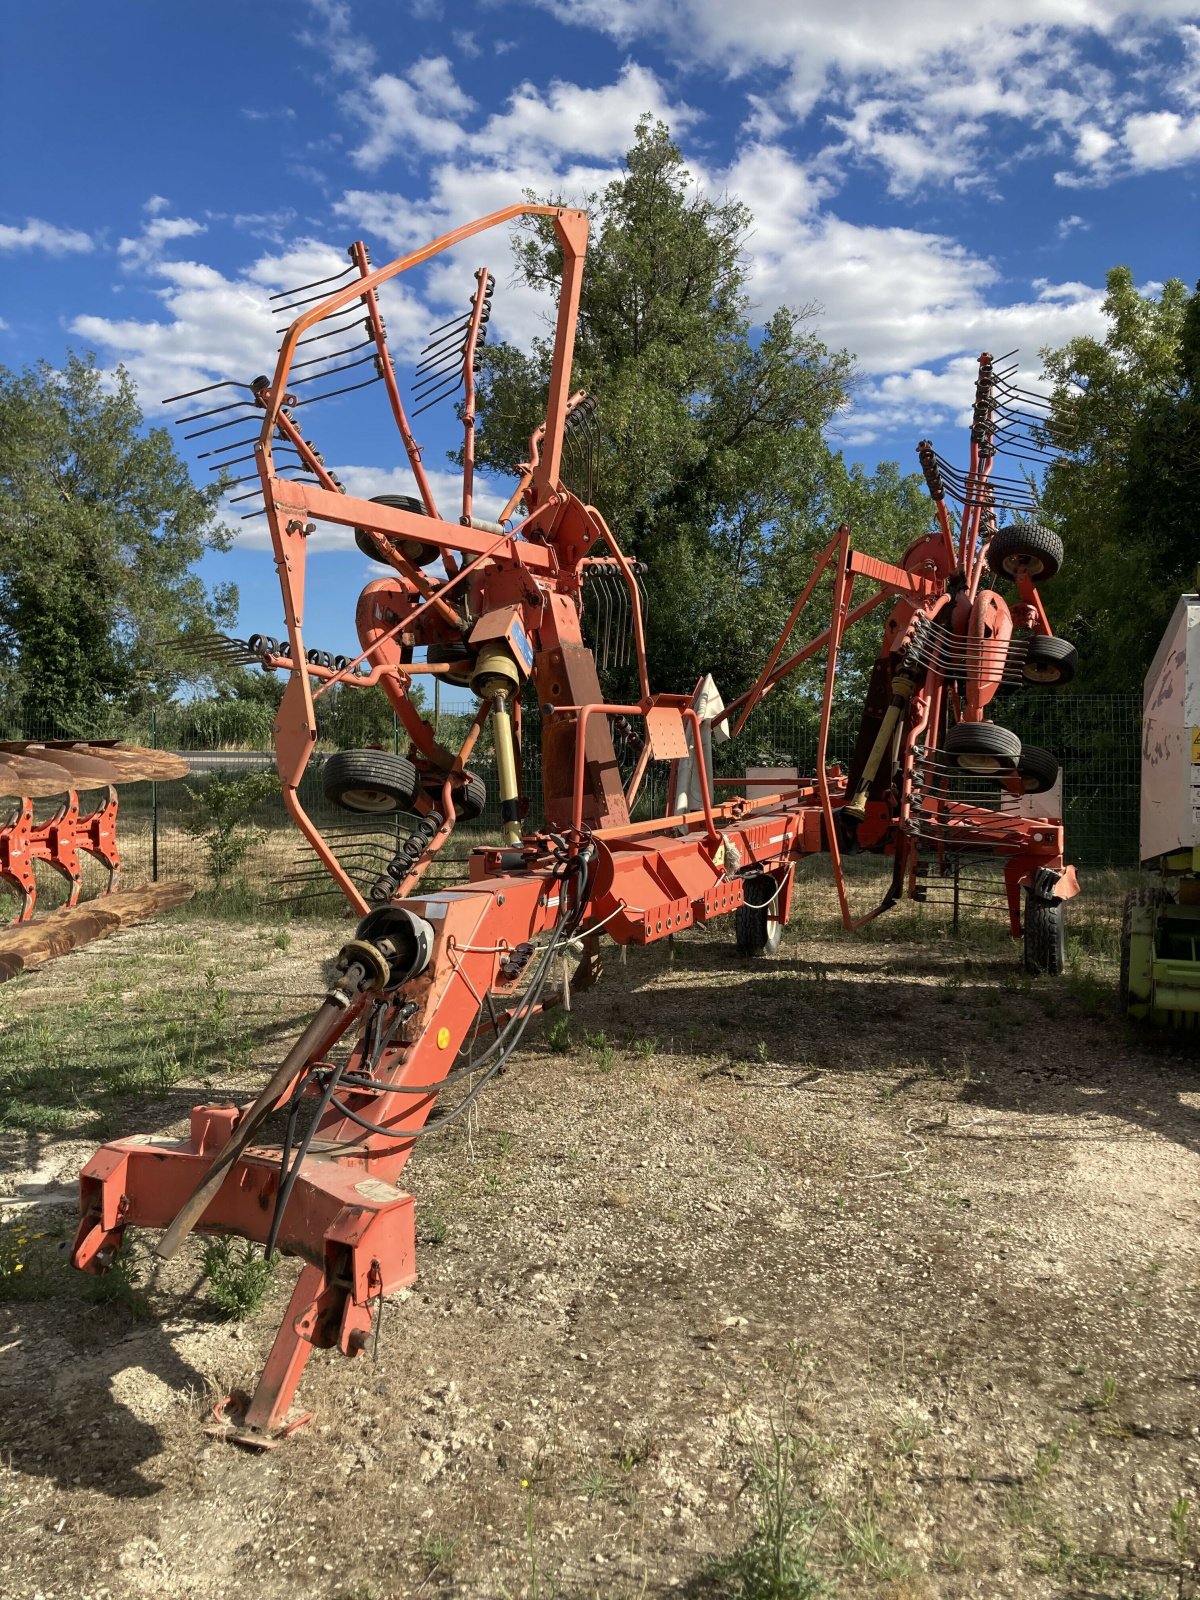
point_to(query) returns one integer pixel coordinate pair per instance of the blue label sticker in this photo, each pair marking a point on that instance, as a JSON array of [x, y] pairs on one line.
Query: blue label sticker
[[520, 643]]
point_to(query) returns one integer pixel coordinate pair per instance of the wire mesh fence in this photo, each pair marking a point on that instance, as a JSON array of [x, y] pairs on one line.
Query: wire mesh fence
[[226, 824]]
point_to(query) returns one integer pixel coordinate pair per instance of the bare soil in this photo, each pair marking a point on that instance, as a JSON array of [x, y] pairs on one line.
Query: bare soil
[[947, 1210]]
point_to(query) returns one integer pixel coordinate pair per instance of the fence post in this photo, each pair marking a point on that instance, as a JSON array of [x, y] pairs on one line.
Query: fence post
[[154, 803]]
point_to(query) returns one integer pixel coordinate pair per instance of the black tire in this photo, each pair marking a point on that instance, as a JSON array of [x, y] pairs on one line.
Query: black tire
[[370, 782], [1037, 769], [1025, 544], [1049, 660], [469, 802], [1135, 898], [1045, 926], [756, 930], [450, 654], [414, 550], [983, 748]]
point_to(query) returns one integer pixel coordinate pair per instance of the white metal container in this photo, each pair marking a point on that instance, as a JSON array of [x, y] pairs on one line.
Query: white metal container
[[1171, 738]]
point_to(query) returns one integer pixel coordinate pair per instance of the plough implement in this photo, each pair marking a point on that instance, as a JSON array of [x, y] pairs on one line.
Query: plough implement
[[433, 993], [37, 770]]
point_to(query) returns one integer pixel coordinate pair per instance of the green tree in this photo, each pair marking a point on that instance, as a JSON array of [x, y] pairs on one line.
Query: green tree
[[711, 464], [100, 526], [1126, 417]]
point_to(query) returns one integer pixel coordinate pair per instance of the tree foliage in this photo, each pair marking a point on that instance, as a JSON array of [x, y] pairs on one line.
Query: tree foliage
[[712, 464], [100, 526], [1126, 415]]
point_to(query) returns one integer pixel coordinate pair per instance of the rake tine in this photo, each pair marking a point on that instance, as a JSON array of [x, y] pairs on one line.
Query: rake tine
[[334, 277], [294, 305], [207, 388], [213, 411], [219, 450], [332, 332], [348, 389], [316, 377], [332, 355]]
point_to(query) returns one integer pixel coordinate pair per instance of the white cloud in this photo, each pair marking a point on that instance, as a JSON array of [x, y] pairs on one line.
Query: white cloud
[[334, 36], [157, 203], [914, 88], [1072, 224], [214, 327], [415, 112], [146, 248], [1093, 144], [1161, 139], [39, 235], [587, 122]]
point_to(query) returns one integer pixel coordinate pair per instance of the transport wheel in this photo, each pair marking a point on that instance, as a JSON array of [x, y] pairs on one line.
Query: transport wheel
[[374, 782], [1049, 660], [1025, 544], [757, 931], [1037, 769], [982, 747], [414, 550], [469, 802], [447, 654], [1045, 926], [1137, 952]]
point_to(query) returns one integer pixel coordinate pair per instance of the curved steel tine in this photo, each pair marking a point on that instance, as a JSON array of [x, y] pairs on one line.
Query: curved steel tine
[[348, 389], [315, 377], [330, 333], [433, 400], [459, 316], [332, 355], [460, 326], [207, 388], [235, 460], [213, 411], [444, 359], [282, 294], [435, 375], [219, 450], [216, 427], [295, 305]]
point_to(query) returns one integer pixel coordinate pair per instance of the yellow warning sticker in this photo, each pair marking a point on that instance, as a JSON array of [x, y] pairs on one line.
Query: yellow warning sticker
[[1196, 747]]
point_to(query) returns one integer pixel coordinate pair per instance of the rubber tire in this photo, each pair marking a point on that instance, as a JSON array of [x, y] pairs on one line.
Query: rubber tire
[[419, 554], [349, 777], [469, 803], [1047, 653], [1025, 541], [1039, 765], [755, 931], [983, 739], [449, 652], [1135, 897], [1045, 927]]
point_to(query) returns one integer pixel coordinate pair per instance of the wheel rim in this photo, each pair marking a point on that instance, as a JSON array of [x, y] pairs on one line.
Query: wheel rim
[[1042, 672], [369, 800], [1034, 565], [977, 761]]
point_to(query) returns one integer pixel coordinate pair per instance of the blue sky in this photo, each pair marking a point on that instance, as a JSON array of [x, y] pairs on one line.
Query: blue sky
[[939, 178]]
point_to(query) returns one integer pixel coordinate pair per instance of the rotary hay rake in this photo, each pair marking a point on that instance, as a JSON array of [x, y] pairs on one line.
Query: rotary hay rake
[[434, 991], [37, 770]]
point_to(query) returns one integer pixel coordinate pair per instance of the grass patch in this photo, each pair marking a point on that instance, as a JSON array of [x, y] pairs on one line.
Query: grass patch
[[777, 1561], [238, 1278]]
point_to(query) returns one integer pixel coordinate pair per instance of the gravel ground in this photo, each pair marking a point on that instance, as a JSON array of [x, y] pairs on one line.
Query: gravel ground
[[925, 1224]]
